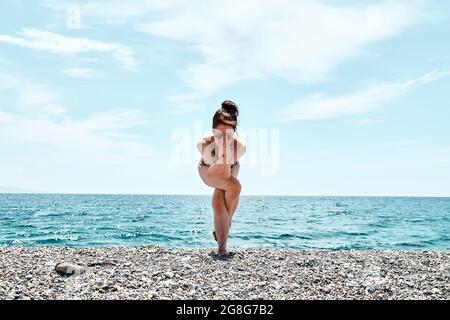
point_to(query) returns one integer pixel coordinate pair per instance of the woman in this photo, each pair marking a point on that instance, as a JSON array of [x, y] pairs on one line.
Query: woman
[[219, 168]]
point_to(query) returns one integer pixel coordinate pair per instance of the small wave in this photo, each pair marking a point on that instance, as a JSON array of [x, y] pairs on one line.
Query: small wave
[[286, 236], [133, 235], [339, 213], [340, 205], [348, 247], [248, 237], [378, 225], [49, 241], [291, 236], [409, 245], [272, 219], [356, 233], [160, 237], [24, 226], [444, 238]]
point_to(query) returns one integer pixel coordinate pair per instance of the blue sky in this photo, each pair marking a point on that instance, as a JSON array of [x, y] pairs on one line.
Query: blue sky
[[95, 94]]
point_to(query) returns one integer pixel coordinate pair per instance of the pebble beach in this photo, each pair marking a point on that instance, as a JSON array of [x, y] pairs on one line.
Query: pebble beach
[[160, 273]]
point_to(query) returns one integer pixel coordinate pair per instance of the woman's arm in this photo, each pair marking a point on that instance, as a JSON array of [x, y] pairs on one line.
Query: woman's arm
[[204, 142], [206, 146], [220, 166], [241, 149], [227, 157]]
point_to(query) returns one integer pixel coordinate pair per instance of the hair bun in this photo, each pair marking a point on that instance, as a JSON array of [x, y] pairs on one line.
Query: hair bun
[[231, 108]]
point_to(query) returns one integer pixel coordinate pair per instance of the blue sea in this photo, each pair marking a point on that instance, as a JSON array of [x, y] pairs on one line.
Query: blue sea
[[334, 223]]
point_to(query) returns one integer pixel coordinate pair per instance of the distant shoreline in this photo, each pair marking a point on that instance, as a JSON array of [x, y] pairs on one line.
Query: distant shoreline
[[208, 195], [155, 272]]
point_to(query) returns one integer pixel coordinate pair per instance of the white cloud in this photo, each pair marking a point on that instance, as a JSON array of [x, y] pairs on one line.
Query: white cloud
[[55, 110], [112, 11], [79, 72], [62, 133], [63, 154], [30, 97], [56, 43], [299, 41], [35, 95], [113, 120], [43, 150], [321, 107], [70, 155], [182, 107], [35, 100], [5, 117]]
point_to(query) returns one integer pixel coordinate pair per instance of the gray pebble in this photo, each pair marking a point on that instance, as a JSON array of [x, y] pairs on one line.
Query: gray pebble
[[69, 269]]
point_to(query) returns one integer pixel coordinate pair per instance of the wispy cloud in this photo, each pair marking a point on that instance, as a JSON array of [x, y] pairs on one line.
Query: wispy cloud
[[114, 120], [112, 12], [319, 106], [79, 72], [179, 106], [98, 145], [89, 133], [56, 43], [30, 97], [42, 101], [73, 149], [6, 117], [299, 41]]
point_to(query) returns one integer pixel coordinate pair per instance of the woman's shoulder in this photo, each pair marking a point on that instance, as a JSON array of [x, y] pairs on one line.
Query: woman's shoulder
[[206, 139], [204, 142]]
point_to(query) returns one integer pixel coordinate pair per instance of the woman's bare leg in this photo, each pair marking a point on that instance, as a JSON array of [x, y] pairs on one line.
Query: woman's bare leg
[[232, 199], [231, 186], [221, 219], [219, 170]]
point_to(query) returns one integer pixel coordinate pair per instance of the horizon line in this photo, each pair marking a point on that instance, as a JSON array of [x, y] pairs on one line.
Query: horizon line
[[243, 195]]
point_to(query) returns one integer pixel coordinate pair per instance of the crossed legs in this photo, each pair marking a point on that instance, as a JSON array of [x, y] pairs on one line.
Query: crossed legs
[[224, 204], [225, 201]]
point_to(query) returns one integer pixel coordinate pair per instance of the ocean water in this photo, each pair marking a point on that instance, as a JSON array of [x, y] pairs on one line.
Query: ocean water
[[333, 223]]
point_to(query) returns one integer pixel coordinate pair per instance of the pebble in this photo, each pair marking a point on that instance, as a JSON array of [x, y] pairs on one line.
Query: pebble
[[149, 272], [436, 291], [69, 269]]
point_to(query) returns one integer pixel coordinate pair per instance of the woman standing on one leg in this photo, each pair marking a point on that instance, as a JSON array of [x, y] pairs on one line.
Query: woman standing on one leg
[[219, 168]]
